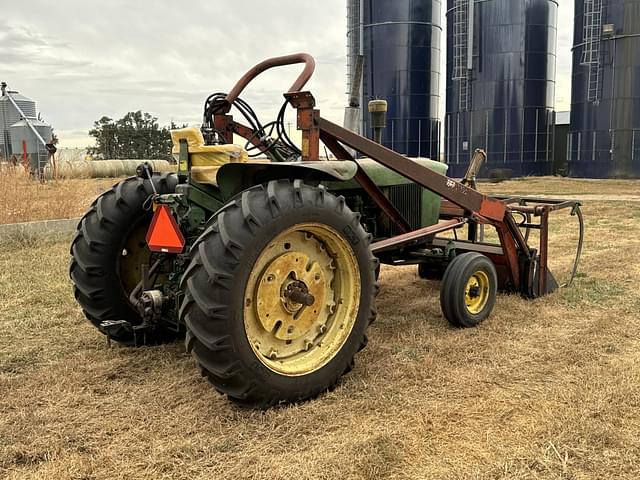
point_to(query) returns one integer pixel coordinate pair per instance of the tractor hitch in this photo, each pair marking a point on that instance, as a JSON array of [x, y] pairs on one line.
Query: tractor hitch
[[116, 329], [149, 305]]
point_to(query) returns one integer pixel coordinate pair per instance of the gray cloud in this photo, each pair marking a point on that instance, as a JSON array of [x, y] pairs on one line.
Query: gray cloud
[[81, 60]]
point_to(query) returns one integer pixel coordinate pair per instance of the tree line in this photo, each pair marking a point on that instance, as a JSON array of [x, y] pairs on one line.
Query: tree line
[[137, 135]]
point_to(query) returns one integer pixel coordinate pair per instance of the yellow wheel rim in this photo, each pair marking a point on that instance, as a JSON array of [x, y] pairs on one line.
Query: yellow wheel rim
[[133, 254], [288, 336], [476, 292]]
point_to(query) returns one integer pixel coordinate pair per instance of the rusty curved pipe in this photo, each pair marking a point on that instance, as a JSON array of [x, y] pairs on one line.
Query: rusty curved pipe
[[301, 81]]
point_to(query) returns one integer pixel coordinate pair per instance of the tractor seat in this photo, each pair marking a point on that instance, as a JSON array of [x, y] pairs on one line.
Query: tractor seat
[[205, 160]]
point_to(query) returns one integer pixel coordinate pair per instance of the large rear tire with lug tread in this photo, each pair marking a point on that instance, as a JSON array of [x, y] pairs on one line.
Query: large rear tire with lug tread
[[468, 290], [279, 294], [108, 250]]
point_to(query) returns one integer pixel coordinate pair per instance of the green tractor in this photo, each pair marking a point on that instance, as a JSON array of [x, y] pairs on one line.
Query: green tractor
[[268, 266]]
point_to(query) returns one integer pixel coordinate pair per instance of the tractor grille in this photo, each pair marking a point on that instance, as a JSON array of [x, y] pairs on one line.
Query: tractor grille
[[408, 200]]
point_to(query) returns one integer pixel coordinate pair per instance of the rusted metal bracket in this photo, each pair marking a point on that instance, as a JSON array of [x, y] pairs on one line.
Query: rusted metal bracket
[[307, 119]]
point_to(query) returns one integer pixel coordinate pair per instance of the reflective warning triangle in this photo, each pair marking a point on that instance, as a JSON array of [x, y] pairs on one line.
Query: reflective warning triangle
[[164, 234]]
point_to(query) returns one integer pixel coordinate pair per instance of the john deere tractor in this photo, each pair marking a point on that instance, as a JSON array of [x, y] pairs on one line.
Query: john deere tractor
[[266, 265]]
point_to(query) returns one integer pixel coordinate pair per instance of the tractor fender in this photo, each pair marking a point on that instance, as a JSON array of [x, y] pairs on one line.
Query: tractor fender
[[233, 178]]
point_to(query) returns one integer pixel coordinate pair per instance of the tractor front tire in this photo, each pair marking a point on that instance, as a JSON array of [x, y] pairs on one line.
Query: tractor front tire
[[468, 290], [255, 341], [107, 251]]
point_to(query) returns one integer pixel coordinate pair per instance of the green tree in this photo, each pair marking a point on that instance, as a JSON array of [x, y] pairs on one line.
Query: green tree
[[137, 135]]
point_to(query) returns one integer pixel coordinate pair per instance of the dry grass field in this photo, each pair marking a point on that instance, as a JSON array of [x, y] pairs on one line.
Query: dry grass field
[[563, 186], [23, 199], [548, 389]]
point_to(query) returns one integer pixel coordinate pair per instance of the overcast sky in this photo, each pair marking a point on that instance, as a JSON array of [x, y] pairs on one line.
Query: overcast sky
[[82, 59]]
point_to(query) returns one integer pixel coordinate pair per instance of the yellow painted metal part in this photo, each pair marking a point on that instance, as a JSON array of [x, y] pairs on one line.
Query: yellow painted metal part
[[294, 339], [134, 253], [205, 160], [272, 305], [476, 292]]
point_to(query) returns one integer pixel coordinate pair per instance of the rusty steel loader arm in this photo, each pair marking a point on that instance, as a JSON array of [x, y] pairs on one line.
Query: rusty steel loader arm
[[521, 268]]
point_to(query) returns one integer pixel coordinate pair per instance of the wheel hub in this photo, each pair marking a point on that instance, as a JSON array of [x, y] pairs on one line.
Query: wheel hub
[[474, 291], [300, 284], [297, 295], [477, 292], [289, 278]]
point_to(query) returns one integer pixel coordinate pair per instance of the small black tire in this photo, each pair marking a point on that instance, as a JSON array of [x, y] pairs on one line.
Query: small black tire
[[218, 294], [97, 247], [468, 290]]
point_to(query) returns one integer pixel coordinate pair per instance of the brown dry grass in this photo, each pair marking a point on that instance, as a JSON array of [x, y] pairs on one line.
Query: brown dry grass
[[23, 199], [562, 186], [548, 389]]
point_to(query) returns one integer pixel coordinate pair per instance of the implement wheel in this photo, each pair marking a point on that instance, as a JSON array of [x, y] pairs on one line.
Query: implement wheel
[[468, 290], [108, 250], [279, 294]]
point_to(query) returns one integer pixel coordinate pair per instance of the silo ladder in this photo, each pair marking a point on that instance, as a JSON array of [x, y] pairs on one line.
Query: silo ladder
[[592, 34]]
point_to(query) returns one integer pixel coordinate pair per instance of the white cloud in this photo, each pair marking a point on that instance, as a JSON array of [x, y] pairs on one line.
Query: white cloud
[[81, 60]]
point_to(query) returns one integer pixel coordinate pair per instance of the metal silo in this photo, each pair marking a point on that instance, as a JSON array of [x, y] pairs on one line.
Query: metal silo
[[9, 115], [605, 100], [501, 59], [401, 47], [25, 142]]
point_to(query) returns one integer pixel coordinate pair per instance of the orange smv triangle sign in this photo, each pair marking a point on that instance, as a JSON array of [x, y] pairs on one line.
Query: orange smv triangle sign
[[164, 234]]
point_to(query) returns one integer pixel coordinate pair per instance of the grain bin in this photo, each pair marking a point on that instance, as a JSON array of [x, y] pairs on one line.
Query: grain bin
[[9, 115], [400, 41], [501, 60], [605, 99]]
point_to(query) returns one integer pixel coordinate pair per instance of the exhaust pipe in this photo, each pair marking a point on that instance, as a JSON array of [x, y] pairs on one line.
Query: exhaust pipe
[[378, 118]]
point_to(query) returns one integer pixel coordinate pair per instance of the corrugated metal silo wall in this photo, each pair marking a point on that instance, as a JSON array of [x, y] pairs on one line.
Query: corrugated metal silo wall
[[9, 116], [401, 43], [605, 99], [22, 137], [510, 92]]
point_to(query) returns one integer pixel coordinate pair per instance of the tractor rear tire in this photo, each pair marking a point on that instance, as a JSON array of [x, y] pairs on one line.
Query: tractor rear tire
[[113, 228], [468, 290], [253, 342]]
